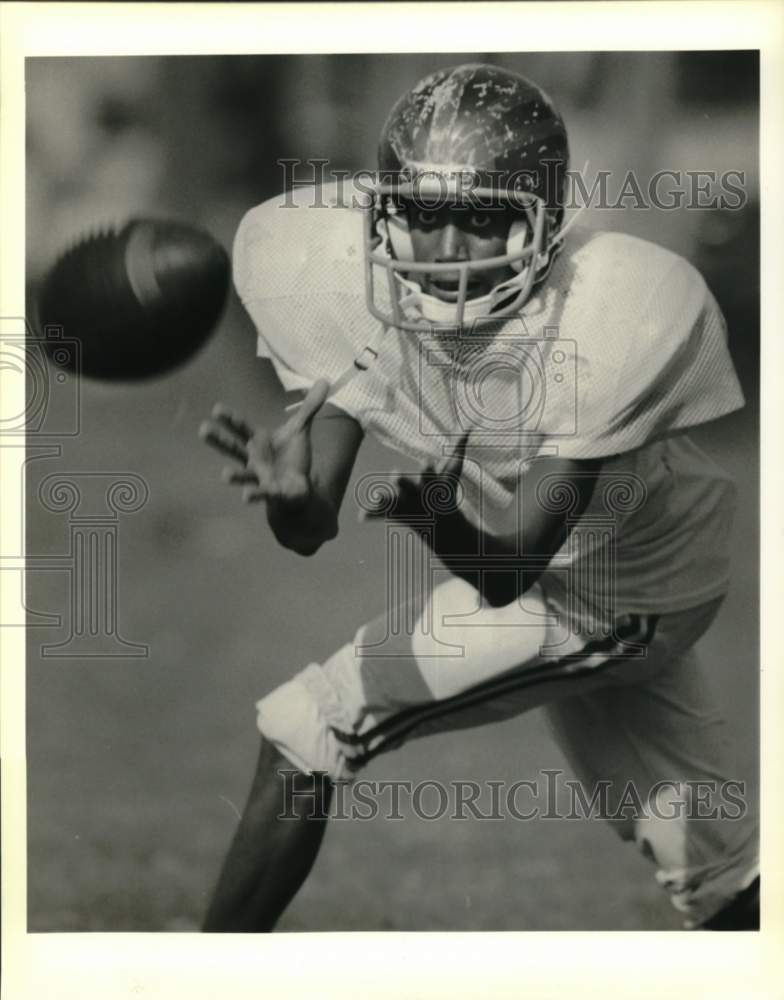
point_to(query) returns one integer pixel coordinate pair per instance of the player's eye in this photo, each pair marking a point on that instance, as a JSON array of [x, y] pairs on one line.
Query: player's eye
[[480, 220], [425, 218]]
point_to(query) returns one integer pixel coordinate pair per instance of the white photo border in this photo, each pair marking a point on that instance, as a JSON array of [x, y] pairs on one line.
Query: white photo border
[[390, 964]]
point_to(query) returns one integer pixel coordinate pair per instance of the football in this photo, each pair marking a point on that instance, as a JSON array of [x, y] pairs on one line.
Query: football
[[139, 301]]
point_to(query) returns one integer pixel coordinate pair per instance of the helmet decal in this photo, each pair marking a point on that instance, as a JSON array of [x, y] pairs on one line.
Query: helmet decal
[[481, 119]]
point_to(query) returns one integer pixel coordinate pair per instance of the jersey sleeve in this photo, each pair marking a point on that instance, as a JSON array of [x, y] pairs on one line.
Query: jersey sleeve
[[296, 275], [671, 369]]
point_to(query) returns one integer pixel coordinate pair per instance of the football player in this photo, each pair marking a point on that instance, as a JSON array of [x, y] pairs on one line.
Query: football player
[[545, 384]]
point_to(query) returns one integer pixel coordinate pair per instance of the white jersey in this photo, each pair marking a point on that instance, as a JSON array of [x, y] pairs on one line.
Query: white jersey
[[616, 355]]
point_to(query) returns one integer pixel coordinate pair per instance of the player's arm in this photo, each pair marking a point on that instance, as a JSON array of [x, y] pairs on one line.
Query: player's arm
[[335, 438], [300, 469], [510, 564], [552, 494]]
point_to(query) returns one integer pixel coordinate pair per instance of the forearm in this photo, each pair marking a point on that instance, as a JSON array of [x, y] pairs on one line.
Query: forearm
[[304, 526], [492, 563], [504, 567]]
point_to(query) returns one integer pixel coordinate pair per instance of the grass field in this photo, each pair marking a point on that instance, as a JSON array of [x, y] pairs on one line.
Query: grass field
[[137, 768]]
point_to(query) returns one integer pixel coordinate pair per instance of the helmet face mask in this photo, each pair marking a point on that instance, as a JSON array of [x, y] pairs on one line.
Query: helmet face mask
[[472, 137], [389, 256]]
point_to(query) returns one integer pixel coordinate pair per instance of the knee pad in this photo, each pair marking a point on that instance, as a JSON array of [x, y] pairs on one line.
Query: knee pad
[[299, 717], [326, 717]]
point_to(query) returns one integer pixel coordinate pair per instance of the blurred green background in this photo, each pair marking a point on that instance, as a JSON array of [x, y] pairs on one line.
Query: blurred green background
[[137, 767]]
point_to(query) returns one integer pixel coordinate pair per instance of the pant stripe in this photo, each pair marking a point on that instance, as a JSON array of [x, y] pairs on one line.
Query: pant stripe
[[392, 731]]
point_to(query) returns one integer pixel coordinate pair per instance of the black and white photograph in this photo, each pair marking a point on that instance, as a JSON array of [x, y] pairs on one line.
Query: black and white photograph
[[387, 479]]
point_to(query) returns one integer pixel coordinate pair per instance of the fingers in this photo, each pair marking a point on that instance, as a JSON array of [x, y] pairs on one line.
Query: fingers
[[255, 451], [226, 444], [232, 422], [311, 404], [452, 465], [252, 494], [227, 432], [409, 498], [239, 476], [374, 514]]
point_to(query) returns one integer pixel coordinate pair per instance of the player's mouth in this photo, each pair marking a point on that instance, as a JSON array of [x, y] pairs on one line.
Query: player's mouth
[[447, 288]]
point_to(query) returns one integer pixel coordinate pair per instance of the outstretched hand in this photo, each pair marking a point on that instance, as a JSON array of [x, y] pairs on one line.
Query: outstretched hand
[[270, 465], [424, 494]]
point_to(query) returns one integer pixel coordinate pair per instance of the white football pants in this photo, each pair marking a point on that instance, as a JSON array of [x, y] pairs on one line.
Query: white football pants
[[628, 702]]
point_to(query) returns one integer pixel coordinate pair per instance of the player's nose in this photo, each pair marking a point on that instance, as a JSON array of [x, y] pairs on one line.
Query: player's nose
[[453, 246]]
